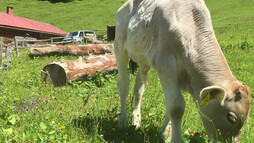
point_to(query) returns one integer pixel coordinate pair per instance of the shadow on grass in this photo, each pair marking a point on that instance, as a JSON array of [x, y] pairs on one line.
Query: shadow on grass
[[106, 129]]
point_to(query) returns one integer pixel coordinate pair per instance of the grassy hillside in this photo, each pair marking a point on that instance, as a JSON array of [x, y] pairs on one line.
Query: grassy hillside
[[70, 16], [32, 111], [233, 20]]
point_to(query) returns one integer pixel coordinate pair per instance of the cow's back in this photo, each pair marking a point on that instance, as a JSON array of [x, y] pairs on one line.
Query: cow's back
[[145, 27]]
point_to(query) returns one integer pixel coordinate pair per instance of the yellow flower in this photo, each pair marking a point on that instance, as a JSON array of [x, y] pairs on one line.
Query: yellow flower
[[66, 135], [61, 127], [143, 131], [36, 139], [115, 120]]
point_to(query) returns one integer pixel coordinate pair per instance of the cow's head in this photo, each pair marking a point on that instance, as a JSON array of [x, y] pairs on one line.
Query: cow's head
[[224, 111]]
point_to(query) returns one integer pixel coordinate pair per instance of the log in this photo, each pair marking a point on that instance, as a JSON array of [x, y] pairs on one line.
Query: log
[[75, 50], [60, 73]]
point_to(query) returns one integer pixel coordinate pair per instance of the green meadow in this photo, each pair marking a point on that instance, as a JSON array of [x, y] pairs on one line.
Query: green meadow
[[33, 111], [68, 16]]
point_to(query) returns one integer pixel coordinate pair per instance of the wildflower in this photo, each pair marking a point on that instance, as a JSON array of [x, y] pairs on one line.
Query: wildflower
[[36, 139], [192, 133], [34, 103], [143, 131], [23, 105], [187, 102], [84, 132], [66, 135], [61, 127], [58, 123], [115, 119]]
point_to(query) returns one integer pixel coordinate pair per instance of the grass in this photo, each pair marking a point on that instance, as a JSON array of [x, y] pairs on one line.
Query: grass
[[33, 111], [71, 16]]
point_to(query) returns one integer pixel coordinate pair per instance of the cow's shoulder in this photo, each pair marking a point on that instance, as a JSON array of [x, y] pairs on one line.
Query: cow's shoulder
[[125, 9]]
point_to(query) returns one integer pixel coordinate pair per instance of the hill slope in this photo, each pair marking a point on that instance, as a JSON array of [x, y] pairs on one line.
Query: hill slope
[[227, 16], [76, 15]]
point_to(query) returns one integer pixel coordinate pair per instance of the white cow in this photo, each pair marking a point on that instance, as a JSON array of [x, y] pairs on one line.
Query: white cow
[[176, 38]]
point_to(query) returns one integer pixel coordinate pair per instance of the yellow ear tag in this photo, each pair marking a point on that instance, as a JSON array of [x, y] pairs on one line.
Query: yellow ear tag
[[204, 102]]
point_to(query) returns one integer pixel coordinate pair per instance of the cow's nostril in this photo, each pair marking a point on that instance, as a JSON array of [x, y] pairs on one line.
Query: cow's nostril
[[232, 118]]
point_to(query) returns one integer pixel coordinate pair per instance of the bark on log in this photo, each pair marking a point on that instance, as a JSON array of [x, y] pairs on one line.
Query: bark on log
[[60, 73], [75, 50]]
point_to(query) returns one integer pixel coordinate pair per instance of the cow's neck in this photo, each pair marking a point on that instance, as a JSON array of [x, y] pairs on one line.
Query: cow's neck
[[208, 64]]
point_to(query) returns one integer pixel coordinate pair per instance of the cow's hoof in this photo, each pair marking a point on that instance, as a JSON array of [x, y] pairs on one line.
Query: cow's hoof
[[165, 137], [136, 120], [166, 132], [123, 120]]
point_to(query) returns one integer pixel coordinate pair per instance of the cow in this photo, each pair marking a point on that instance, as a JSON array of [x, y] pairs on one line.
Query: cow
[[176, 38]]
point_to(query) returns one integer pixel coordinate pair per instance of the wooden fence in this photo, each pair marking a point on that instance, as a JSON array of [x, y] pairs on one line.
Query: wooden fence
[[1, 53], [27, 42], [8, 50]]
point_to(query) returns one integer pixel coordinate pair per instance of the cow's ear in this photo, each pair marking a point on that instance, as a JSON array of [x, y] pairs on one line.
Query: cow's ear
[[211, 93]]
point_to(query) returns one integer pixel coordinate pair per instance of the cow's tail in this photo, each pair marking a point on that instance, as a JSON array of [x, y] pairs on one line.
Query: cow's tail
[[133, 66]]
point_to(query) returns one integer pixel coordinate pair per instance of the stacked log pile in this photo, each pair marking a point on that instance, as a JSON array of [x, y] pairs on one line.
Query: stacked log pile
[[65, 71]]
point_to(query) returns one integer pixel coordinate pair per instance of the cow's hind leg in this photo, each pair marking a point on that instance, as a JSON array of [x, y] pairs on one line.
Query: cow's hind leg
[[174, 101], [139, 88], [122, 86]]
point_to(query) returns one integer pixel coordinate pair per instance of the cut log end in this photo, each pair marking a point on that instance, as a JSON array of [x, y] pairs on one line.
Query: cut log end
[[54, 73]]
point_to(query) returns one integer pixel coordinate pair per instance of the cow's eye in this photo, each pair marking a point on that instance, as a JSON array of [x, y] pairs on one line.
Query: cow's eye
[[232, 118]]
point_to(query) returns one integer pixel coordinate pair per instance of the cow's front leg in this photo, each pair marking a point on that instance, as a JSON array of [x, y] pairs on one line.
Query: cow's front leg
[[175, 105], [166, 129], [174, 101], [123, 87]]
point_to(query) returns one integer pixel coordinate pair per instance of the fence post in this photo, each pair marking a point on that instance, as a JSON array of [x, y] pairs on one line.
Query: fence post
[[16, 46], [1, 52], [8, 59]]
